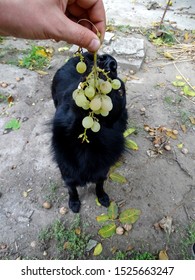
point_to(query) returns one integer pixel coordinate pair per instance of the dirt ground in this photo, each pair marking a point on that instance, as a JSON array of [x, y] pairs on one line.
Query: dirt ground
[[160, 182]]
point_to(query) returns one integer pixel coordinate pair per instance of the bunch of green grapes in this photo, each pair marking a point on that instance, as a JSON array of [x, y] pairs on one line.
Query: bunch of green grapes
[[92, 96]]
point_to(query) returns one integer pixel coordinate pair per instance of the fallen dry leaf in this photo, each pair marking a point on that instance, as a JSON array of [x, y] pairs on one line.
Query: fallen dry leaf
[[166, 224], [192, 119], [183, 127], [163, 255]]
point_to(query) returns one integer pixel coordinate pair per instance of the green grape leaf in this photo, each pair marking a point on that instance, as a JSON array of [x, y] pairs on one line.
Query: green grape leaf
[[178, 83], [107, 231], [188, 91], [116, 177], [128, 132], [13, 124], [113, 210], [97, 202], [130, 144], [129, 216], [98, 249], [102, 218]]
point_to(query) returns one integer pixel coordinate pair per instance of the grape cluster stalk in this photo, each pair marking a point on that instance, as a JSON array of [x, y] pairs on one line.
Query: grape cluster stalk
[[92, 95]]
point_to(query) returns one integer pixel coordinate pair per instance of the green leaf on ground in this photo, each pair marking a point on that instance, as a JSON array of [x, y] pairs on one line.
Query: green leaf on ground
[[102, 218], [113, 210], [98, 249], [13, 124], [130, 144], [107, 231], [129, 216], [178, 83], [129, 131], [188, 91], [116, 177]]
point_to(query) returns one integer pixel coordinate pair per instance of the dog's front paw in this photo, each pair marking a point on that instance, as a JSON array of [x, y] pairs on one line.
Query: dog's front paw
[[74, 205], [104, 200]]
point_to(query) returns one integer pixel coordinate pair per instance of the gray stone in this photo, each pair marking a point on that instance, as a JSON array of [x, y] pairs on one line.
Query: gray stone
[[128, 51], [108, 37]]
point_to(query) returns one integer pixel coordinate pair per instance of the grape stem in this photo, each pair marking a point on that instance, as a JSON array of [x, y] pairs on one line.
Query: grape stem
[[95, 69], [84, 136]]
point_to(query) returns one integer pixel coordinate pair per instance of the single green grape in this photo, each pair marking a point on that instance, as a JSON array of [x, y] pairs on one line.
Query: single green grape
[[87, 122], [116, 84], [95, 103], [81, 67], [95, 127], [90, 92], [105, 87]]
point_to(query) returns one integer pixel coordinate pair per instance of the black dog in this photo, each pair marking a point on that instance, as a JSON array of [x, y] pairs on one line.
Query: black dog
[[79, 162]]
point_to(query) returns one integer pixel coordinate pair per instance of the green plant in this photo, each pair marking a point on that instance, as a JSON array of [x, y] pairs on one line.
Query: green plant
[[184, 116], [175, 101], [142, 256], [187, 242], [1, 39], [113, 217], [36, 59], [164, 36], [119, 255], [72, 241], [3, 98], [52, 189]]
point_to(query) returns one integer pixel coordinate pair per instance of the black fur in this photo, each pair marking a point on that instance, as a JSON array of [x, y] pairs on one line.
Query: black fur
[[79, 162]]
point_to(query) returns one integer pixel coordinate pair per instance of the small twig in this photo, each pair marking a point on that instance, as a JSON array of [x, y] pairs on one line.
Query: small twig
[[183, 76], [166, 8], [171, 62]]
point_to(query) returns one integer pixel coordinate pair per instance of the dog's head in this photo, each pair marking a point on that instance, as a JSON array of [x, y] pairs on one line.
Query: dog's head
[[105, 62], [67, 79]]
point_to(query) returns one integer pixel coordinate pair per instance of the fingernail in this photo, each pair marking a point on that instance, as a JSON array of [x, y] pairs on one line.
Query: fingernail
[[94, 45]]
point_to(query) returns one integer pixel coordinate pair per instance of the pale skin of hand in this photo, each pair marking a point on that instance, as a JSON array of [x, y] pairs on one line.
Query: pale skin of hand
[[54, 19]]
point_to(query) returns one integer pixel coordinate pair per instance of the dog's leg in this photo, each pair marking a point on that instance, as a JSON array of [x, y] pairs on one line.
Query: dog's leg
[[74, 202], [103, 198]]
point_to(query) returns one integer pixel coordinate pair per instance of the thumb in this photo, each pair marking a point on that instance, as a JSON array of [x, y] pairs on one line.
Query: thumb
[[74, 33]]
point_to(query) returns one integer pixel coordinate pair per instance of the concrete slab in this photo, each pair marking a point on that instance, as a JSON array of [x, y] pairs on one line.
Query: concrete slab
[[128, 51], [136, 13]]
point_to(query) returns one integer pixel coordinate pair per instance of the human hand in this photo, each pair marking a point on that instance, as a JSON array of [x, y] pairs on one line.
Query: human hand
[[54, 19]]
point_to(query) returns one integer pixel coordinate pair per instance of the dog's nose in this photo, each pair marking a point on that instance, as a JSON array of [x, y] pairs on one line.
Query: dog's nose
[[108, 63]]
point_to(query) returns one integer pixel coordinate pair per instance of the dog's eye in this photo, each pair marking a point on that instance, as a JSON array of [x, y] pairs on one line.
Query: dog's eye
[[121, 92], [113, 66]]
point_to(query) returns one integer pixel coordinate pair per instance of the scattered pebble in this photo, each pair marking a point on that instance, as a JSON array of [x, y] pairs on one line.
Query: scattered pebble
[[4, 85], [184, 151], [63, 210], [33, 244], [128, 227], [131, 72], [18, 79], [3, 246], [143, 109], [167, 147], [119, 230], [175, 132], [47, 205]]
